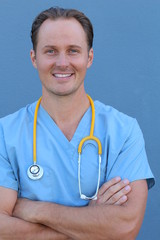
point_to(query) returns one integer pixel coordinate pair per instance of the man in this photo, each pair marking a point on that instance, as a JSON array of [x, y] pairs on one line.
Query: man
[[48, 205]]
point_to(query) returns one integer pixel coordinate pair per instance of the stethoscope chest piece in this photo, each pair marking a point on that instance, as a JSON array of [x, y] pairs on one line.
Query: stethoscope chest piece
[[35, 172]]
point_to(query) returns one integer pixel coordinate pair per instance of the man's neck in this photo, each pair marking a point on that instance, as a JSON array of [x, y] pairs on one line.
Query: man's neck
[[66, 111]]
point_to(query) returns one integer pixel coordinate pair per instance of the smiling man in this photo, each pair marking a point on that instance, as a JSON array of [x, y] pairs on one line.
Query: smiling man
[[66, 188]]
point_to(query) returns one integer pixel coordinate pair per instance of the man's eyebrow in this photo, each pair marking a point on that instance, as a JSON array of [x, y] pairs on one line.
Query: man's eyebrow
[[70, 46], [49, 46], [75, 46]]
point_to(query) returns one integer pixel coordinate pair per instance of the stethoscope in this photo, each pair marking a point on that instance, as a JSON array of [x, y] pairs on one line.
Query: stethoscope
[[35, 171]]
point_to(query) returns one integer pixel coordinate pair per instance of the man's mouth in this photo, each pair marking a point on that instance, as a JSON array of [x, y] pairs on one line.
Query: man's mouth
[[62, 75]]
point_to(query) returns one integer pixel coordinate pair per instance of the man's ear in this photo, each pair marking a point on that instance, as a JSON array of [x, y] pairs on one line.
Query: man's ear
[[90, 58], [33, 58]]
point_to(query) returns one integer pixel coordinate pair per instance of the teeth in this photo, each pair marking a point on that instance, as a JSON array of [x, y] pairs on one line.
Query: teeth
[[58, 75]]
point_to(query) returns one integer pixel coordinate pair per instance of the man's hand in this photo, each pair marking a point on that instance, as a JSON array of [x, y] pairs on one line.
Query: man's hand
[[113, 192]]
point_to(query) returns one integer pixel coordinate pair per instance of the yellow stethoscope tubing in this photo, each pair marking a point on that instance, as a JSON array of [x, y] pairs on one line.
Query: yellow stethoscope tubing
[[91, 137], [35, 130]]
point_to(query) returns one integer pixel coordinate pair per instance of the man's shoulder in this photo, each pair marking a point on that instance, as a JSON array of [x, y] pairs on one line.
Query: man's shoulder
[[115, 123], [15, 119], [112, 115]]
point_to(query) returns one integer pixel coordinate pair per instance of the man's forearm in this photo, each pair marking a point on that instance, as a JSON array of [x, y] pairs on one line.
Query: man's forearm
[[98, 222], [104, 221], [12, 228]]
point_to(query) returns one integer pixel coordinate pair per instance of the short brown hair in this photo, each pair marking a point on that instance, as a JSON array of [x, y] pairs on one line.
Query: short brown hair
[[55, 13]]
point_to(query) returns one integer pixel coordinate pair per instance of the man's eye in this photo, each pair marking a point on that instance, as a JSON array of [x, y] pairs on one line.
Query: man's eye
[[73, 51], [51, 51]]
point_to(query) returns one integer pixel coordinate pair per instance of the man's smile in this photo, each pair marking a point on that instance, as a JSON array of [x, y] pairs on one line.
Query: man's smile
[[62, 75]]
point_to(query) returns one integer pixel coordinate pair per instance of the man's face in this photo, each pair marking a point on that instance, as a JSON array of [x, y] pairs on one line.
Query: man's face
[[62, 56]]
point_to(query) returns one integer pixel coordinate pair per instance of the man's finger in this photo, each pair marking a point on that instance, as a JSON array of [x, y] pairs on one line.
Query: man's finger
[[122, 200], [108, 184], [118, 197], [114, 192]]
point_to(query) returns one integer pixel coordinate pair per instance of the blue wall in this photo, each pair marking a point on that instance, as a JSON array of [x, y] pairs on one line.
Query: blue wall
[[126, 69]]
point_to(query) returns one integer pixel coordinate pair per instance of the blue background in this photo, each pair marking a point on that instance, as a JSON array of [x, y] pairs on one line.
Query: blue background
[[125, 72]]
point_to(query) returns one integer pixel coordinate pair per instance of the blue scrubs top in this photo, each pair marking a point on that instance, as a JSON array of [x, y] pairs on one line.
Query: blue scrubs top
[[123, 154]]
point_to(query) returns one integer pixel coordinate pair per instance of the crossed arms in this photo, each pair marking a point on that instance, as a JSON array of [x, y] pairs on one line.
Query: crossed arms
[[117, 214]]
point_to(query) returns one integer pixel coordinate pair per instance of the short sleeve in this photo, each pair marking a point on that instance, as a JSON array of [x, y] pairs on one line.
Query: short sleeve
[[7, 176], [131, 162]]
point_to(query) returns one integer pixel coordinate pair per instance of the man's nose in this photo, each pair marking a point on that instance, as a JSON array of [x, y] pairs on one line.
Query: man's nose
[[62, 61]]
